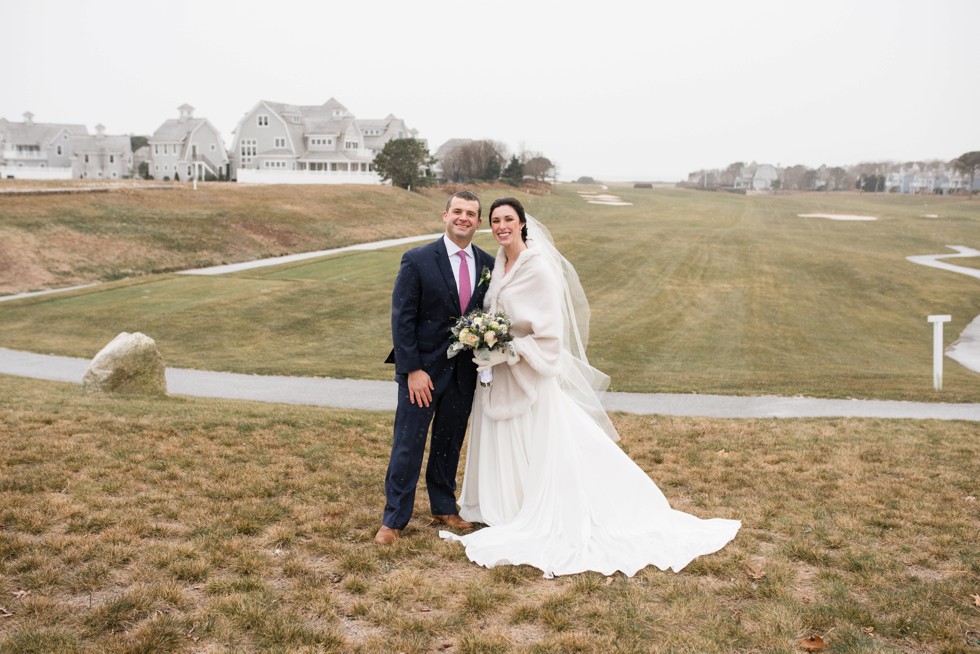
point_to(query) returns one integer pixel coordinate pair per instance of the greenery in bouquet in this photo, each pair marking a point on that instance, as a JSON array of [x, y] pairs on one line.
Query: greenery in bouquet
[[480, 330]]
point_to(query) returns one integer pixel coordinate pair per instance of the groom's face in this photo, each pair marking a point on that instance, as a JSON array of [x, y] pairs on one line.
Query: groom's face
[[462, 219]]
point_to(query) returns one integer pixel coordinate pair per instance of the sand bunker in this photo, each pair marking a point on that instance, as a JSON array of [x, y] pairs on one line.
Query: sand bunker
[[835, 216], [604, 198]]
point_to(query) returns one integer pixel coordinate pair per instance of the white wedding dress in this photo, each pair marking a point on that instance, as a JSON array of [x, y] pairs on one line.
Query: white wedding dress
[[543, 470]]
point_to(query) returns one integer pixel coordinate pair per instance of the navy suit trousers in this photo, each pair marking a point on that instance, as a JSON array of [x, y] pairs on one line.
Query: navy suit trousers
[[447, 414]]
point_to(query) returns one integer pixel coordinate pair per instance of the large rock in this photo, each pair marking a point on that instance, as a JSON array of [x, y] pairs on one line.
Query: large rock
[[130, 363]]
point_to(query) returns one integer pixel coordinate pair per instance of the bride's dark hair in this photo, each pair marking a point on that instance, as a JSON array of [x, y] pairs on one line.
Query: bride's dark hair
[[518, 207]]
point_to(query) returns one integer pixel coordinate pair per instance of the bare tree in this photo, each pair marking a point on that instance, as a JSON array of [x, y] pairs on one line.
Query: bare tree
[[967, 163], [475, 160], [732, 174], [538, 167], [793, 177]]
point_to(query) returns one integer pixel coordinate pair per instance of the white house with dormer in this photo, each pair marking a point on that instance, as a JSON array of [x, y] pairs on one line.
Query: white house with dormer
[[101, 156], [184, 143], [277, 143], [30, 150]]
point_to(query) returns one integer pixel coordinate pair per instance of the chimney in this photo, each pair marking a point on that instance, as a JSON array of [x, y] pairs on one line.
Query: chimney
[[186, 111], [100, 130], [28, 118]]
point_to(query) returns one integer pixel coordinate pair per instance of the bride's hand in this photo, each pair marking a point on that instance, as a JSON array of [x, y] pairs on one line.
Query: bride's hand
[[486, 359]]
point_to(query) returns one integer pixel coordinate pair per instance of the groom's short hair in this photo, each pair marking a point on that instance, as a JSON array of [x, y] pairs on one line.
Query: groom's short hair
[[469, 197]]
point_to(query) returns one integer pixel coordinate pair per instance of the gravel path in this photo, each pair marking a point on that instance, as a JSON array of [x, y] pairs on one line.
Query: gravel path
[[380, 395]]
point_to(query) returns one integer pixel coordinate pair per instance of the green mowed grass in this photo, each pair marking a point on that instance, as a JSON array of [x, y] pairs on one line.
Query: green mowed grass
[[690, 292], [192, 525]]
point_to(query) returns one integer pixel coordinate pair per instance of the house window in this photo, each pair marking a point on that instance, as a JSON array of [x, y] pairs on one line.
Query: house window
[[274, 164], [212, 147], [59, 150], [156, 167], [249, 147], [263, 121], [280, 142], [156, 149], [166, 167], [114, 174], [350, 145], [86, 158], [112, 158]]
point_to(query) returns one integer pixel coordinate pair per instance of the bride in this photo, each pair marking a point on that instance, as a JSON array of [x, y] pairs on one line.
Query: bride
[[543, 470]]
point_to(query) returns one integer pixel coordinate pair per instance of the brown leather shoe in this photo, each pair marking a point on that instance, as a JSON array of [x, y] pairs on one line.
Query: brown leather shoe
[[452, 521], [387, 535]]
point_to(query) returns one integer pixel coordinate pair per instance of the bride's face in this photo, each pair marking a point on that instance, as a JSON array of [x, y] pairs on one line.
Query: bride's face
[[505, 225]]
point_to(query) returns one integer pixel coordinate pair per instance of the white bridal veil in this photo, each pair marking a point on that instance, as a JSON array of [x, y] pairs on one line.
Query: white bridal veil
[[578, 379]]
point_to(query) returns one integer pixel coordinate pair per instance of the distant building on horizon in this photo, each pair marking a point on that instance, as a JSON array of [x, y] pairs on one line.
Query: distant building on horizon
[[278, 143], [101, 156], [30, 150], [183, 143]]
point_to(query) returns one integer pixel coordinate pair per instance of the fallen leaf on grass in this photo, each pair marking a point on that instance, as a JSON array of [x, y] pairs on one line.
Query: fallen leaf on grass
[[4, 613], [609, 580], [869, 630], [20, 593], [813, 643], [755, 571], [976, 600]]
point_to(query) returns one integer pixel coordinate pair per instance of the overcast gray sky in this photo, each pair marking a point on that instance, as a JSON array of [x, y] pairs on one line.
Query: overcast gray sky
[[613, 89]]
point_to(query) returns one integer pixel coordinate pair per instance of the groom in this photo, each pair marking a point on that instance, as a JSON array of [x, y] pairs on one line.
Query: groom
[[436, 284]]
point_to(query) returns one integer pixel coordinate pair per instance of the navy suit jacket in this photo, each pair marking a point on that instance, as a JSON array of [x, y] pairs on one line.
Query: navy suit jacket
[[424, 308]]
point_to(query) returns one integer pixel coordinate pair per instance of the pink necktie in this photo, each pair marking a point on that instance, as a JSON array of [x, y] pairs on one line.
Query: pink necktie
[[464, 282]]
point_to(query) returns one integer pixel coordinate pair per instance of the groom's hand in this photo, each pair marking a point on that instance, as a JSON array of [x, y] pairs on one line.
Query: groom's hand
[[420, 388]]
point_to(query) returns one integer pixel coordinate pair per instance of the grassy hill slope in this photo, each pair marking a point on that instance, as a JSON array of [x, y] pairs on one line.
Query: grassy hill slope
[[691, 292]]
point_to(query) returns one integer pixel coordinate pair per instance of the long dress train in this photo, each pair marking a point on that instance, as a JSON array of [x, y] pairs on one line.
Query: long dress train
[[556, 491]]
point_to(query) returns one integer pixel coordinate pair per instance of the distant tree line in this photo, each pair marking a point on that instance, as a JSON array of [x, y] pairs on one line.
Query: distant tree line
[[870, 177], [407, 163]]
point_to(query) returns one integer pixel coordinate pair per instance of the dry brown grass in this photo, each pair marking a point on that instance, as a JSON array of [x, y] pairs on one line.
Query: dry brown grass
[[183, 525], [137, 228]]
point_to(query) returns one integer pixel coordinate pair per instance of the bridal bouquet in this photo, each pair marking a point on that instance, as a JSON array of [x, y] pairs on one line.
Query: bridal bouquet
[[481, 332]]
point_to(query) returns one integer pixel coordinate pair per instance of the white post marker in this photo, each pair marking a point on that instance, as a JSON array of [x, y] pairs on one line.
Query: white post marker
[[937, 350]]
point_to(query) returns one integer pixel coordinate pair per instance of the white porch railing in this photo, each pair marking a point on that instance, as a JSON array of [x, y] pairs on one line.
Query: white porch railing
[[34, 172], [251, 176], [24, 154]]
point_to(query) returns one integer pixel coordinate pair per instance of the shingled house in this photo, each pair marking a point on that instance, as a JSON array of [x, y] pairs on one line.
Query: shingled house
[[181, 144], [30, 150], [277, 143]]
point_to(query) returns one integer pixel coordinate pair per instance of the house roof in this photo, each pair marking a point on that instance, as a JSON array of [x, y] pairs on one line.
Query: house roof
[[276, 152], [176, 130], [88, 144], [329, 119], [321, 156], [39, 133]]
